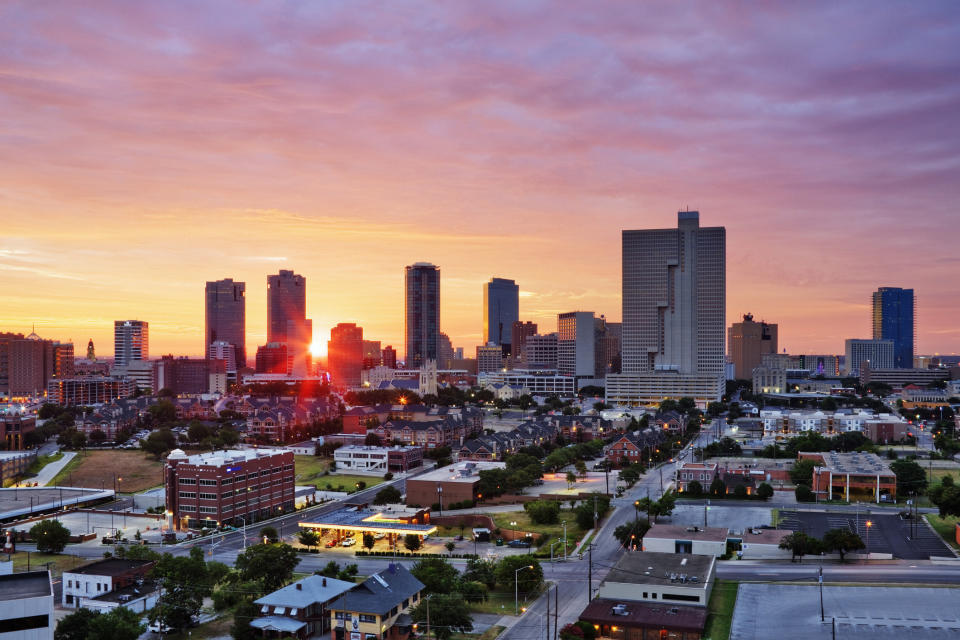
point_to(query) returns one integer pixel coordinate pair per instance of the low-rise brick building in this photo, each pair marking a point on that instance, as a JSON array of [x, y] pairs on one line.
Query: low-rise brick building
[[851, 476]]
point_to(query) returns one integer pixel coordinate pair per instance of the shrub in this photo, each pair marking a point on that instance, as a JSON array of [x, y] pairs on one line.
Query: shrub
[[694, 489], [804, 493]]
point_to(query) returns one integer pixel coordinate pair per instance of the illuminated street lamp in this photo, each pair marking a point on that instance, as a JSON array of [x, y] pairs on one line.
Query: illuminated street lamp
[[516, 589]]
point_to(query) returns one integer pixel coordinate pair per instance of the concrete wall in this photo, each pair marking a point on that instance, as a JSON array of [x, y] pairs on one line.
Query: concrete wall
[[140, 605], [700, 547], [27, 607]]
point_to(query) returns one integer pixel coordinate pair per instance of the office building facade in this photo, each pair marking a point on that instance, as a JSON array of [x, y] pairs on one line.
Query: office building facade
[[674, 314], [894, 318], [501, 308], [576, 344], [422, 313], [878, 353], [748, 342], [489, 358], [287, 321], [225, 319], [345, 354], [131, 342]]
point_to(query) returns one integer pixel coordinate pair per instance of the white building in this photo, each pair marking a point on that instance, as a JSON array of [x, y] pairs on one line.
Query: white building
[[221, 350], [674, 314], [535, 382], [26, 606], [101, 577], [131, 342], [362, 459], [879, 353]]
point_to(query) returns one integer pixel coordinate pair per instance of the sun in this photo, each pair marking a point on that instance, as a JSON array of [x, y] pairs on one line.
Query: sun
[[318, 348]]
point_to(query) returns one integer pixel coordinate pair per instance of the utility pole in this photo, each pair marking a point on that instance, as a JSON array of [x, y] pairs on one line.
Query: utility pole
[[590, 573], [556, 611], [428, 616], [820, 580], [548, 613], [594, 513]]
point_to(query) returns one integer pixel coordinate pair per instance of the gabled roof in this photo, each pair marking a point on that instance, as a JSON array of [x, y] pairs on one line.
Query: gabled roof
[[313, 589], [381, 592]]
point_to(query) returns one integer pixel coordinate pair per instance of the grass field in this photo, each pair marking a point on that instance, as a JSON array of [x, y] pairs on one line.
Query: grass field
[[946, 527], [938, 474], [501, 602], [135, 470], [218, 628], [348, 482], [522, 518], [720, 610], [58, 562], [490, 634], [41, 462], [309, 469]]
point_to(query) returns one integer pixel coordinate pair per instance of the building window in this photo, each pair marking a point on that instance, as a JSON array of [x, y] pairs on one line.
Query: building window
[[188, 494], [208, 496], [187, 481], [365, 617], [208, 483]]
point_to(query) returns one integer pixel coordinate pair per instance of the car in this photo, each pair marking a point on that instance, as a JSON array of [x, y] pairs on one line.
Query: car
[[348, 542], [379, 536], [519, 544], [331, 544]]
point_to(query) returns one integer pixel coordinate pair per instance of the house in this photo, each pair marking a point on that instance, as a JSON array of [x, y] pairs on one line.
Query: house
[[305, 448], [101, 577], [139, 597], [703, 472], [26, 605], [504, 391], [377, 608], [653, 595], [670, 421], [300, 609], [633, 447]]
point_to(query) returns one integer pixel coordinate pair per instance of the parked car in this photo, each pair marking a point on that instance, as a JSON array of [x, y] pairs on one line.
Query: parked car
[[348, 542], [519, 544], [331, 544], [379, 536]]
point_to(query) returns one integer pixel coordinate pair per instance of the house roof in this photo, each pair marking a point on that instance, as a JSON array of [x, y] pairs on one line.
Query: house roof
[[303, 593], [600, 611], [277, 623], [676, 532], [381, 592], [657, 568], [111, 567]]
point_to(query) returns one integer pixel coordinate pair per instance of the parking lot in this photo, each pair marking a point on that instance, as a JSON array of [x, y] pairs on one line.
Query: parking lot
[[887, 533]]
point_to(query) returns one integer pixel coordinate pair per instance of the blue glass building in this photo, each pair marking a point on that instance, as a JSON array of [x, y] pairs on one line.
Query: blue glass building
[[893, 319]]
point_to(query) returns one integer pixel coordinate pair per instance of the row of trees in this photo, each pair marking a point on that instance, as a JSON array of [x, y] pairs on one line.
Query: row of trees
[[842, 541]]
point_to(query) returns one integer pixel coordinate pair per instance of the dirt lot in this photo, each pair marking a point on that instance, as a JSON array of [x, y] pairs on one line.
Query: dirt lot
[[135, 471]]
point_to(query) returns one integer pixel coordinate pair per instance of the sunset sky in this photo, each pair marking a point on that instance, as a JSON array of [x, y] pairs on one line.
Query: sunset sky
[[148, 147]]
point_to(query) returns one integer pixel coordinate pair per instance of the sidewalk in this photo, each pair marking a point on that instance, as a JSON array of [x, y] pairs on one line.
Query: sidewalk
[[51, 470]]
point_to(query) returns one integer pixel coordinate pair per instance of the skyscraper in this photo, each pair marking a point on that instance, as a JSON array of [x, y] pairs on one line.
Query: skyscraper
[[501, 308], [131, 342], [422, 313], [879, 353], [287, 318], [748, 342], [226, 314], [345, 354], [576, 344], [894, 310], [674, 306]]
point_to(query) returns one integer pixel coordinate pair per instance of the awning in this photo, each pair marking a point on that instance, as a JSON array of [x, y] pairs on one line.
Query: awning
[[278, 623]]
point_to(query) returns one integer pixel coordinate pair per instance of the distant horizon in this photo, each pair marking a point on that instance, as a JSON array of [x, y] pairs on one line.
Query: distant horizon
[[152, 147]]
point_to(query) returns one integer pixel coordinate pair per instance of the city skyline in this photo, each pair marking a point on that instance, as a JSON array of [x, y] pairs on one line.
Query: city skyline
[[344, 150]]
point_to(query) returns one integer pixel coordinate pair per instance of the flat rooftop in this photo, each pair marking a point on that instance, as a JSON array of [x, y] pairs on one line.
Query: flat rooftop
[[764, 536], [647, 567], [110, 567], [24, 500], [359, 519], [222, 458], [853, 463], [31, 584], [600, 611], [130, 592], [677, 532], [460, 472]]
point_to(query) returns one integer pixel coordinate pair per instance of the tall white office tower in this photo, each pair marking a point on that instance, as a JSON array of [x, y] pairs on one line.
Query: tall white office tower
[[674, 314]]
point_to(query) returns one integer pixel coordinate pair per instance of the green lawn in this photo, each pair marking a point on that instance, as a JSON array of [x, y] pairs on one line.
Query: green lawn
[[720, 610], [348, 482], [309, 469], [522, 518], [58, 562], [218, 628], [946, 527], [500, 602], [938, 474], [41, 462], [61, 478]]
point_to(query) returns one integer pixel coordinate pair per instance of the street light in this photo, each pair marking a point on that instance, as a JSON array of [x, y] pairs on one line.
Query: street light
[[440, 498], [869, 524], [516, 588]]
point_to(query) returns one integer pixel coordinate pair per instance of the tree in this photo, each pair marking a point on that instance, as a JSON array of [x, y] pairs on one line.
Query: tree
[[528, 580], [269, 534], [163, 411], [308, 538], [740, 492], [764, 491], [802, 471], [842, 541], [272, 564], [911, 479], [571, 479], [368, 540], [184, 583], [436, 574], [694, 489], [803, 493], [478, 570], [946, 496], [117, 624], [586, 514], [472, 590], [197, 431], [159, 442], [451, 545], [717, 488], [411, 542], [631, 532], [76, 625], [97, 437], [50, 536], [245, 612], [388, 495], [800, 544], [448, 614], [543, 511]]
